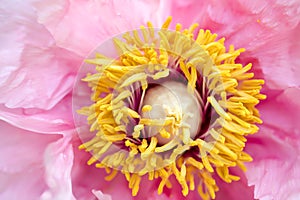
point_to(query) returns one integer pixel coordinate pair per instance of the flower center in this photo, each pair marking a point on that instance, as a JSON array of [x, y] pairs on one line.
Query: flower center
[[170, 104], [171, 101]]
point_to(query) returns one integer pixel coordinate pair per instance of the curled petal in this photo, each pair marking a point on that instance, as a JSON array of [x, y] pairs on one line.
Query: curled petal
[[56, 120], [100, 195], [58, 161]]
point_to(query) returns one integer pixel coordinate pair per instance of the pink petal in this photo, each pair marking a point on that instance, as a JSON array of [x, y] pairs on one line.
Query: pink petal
[[20, 149], [276, 57], [235, 190], [21, 162], [89, 181], [268, 30], [82, 25], [27, 184], [58, 161], [86, 179], [274, 171], [275, 149], [281, 112], [35, 73]]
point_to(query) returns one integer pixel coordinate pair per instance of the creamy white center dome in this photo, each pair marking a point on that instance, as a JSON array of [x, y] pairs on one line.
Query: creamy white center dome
[[171, 98]]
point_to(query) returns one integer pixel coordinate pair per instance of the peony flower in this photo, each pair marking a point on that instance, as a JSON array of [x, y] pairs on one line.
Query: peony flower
[[43, 44]]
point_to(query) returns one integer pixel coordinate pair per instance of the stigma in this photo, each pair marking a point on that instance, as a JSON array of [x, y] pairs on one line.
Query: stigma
[[172, 101]]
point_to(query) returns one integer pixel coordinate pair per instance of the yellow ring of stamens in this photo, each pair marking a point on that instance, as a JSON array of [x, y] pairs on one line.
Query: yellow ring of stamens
[[110, 115]]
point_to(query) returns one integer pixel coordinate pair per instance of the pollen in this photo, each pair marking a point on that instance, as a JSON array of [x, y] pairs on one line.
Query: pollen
[[171, 104]]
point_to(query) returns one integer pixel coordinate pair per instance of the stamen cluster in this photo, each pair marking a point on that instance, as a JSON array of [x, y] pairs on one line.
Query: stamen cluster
[[227, 95]]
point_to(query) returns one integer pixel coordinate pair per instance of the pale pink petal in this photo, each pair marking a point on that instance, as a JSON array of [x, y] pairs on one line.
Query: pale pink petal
[[82, 25], [56, 120], [100, 195], [36, 76], [58, 161], [156, 196], [20, 149], [35, 73], [28, 184], [21, 162]]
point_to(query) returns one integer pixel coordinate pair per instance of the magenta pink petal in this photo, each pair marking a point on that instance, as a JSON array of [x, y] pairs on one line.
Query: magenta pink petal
[[235, 190]]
